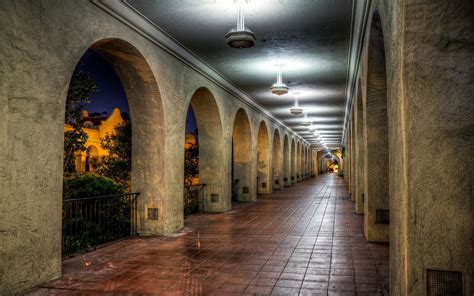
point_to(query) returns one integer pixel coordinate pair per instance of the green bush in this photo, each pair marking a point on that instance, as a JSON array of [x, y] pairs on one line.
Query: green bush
[[90, 185]]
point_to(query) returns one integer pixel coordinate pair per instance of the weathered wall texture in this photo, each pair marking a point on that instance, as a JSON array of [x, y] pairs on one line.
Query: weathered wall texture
[[41, 43], [428, 55]]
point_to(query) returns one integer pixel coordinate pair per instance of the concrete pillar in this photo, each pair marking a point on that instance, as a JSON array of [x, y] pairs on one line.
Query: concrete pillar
[[263, 160], [242, 158], [277, 178], [431, 100], [359, 153], [286, 162]]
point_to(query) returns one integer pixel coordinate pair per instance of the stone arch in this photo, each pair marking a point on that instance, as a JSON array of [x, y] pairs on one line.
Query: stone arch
[[146, 115], [376, 183], [286, 162], [263, 160], [211, 151], [322, 161], [277, 161], [242, 163]]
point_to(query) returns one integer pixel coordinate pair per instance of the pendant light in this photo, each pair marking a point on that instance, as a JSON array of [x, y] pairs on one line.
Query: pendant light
[[296, 109], [240, 36], [279, 88], [311, 127], [306, 121]]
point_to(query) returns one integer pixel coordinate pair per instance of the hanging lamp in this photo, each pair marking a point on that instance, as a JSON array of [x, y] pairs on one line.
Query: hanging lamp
[[296, 109], [240, 36], [279, 88], [306, 121]]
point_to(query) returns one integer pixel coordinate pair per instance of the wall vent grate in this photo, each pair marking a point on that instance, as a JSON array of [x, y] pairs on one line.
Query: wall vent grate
[[277, 182], [382, 217], [214, 197], [152, 214], [444, 283], [245, 190], [264, 185], [285, 179]]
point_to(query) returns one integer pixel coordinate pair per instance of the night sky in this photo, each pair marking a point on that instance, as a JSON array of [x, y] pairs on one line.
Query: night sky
[[111, 93], [191, 121]]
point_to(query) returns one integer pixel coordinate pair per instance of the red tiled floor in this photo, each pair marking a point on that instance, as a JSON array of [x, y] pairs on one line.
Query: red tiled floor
[[303, 240]]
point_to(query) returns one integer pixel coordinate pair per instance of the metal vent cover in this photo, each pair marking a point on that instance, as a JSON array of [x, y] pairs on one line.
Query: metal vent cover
[[444, 283], [152, 214], [264, 185], [277, 182], [245, 190], [285, 179], [292, 177], [382, 217], [214, 197]]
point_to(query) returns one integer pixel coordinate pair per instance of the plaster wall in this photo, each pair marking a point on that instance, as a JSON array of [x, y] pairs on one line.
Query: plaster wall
[[429, 91]]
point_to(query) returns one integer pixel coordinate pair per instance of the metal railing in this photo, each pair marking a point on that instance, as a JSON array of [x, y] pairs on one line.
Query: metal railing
[[194, 199], [93, 221]]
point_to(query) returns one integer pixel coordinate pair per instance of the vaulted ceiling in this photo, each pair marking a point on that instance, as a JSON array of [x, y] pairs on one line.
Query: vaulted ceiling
[[310, 37]]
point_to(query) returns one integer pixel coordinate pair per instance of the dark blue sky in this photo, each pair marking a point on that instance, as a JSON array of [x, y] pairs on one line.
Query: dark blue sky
[[111, 93], [190, 121]]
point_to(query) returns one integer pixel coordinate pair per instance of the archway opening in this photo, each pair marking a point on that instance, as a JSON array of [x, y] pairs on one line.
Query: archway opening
[[242, 158], [206, 192], [263, 160], [376, 205], [101, 174], [277, 161], [193, 202]]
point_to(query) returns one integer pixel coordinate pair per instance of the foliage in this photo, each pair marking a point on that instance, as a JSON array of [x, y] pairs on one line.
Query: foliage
[[118, 164], [191, 165], [90, 185], [80, 93]]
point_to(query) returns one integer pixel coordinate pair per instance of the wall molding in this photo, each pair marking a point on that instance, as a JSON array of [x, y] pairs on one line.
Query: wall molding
[[360, 13]]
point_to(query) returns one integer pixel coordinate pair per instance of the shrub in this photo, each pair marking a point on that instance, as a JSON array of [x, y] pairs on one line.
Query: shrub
[[90, 185]]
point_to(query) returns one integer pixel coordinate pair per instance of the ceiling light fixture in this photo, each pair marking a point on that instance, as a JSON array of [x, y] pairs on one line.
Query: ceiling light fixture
[[306, 121], [311, 127], [279, 88], [240, 36], [296, 109]]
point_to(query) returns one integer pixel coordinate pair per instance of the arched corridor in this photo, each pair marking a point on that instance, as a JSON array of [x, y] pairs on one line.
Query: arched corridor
[[259, 147]]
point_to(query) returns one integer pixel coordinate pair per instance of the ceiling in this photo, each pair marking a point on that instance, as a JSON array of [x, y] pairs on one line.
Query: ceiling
[[310, 37]]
